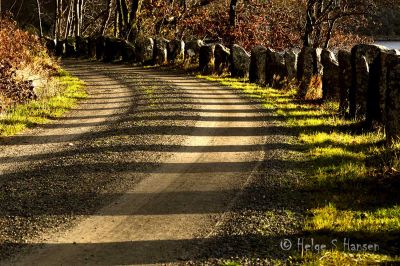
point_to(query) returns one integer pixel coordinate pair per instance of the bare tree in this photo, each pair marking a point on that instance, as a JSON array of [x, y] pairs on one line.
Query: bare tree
[[126, 17], [69, 17], [106, 17], [78, 17], [322, 17], [232, 13], [40, 18], [58, 18]]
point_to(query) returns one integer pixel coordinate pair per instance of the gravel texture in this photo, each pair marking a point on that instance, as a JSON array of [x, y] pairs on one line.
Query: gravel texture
[[271, 207], [49, 181], [52, 177]]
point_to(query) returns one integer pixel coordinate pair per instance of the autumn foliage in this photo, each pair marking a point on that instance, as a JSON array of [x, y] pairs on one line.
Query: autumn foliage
[[18, 50], [275, 24], [17, 46], [258, 22]]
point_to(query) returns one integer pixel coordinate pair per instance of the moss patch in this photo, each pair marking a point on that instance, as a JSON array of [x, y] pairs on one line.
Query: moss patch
[[352, 182], [39, 112]]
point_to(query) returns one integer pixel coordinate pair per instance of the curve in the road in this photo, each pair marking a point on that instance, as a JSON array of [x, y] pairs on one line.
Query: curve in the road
[[165, 216]]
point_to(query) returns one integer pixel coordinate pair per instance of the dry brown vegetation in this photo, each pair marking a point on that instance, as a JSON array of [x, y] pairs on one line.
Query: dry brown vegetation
[[23, 64]]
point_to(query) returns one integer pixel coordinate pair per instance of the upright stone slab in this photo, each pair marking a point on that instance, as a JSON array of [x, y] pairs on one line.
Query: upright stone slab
[[359, 89], [239, 62], [275, 68], [113, 49], [108, 55], [291, 64], [100, 47], [361, 59], [309, 73], [82, 47], [330, 77], [386, 57], [392, 124], [206, 58], [92, 47], [367, 75], [176, 51], [145, 50], [60, 48], [221, 58], [70, 47], [345, 80], [128, 52], [50, 45], [192, 51], [160, 51], [258, 62]]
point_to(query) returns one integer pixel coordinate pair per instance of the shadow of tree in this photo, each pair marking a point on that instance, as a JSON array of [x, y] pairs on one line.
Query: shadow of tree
[[59, 185]]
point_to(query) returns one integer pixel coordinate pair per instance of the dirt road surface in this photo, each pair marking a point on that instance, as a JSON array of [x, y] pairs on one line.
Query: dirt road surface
[[180, 150]]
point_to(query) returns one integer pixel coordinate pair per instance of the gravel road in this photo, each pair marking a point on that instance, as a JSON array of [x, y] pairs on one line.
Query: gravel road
[[140, 173]]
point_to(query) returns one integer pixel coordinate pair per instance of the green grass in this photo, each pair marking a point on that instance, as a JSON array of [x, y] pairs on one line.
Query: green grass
[[349, 176], [230, 263], [70, 90]]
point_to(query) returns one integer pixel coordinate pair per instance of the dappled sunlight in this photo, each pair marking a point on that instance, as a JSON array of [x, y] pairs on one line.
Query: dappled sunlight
[[349, 196], [41, 112], [381, 225], [182, 158]]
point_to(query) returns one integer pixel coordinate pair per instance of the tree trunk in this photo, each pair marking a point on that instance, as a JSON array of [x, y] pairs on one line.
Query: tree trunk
[[118, 22], [232, 13], [40, 18], [68, 20], [309, 28], [135, 8], [56, 15], [106, 18], [123, 18], [77, 17], [59, 18], [329, 34], [317, 28], [81, 17]]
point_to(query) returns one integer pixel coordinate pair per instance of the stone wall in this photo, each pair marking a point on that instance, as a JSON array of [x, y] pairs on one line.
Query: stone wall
[[345, 80], [330, 76], [258, 62], [365, 81], [309, 73]]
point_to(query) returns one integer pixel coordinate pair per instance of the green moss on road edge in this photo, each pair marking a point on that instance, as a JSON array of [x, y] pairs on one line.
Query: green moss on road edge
[[70, 91], [350, 194]]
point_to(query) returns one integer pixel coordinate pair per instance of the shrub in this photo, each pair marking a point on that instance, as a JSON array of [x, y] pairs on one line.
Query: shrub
[[17, 46], [11, 91], [22, 57]]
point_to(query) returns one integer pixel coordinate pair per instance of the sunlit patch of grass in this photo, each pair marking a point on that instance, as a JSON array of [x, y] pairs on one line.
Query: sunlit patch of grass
[[38, 112], [340, 258], [150, 66], [253, 90], [340, 138], [337, 176], [329, 218], [342, 168], [316, 120], [230, 263]]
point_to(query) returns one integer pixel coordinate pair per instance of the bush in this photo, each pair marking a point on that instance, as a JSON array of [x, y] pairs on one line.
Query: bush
[[22, 57], [17, 47], [11, 91]]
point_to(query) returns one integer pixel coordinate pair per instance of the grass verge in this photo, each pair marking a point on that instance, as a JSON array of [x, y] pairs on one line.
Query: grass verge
[[352, 183], [70, 90]]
